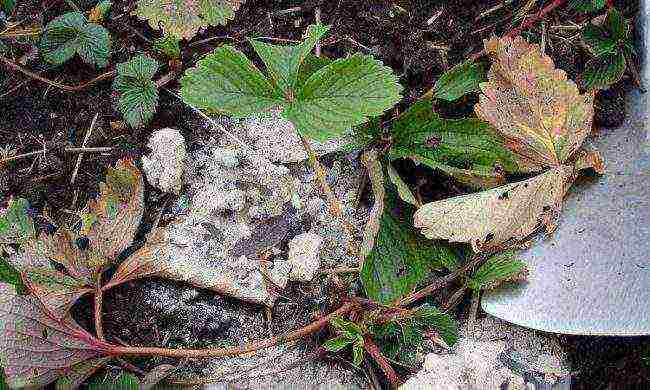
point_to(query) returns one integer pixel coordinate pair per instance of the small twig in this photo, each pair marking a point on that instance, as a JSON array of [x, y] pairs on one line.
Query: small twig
[[527, 23], [130, 367], [442, 282], [161, 82], [317, 49], [234, 351], [372, 349], [67, 150], [99, 329], [68, 88], [473, 311], [83, 145], [335, 205]]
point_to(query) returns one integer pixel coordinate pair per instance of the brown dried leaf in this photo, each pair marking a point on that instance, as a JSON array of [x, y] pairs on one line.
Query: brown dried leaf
[[111, 220], [493, 217], [544, 120], [35, 348], [532, 104]]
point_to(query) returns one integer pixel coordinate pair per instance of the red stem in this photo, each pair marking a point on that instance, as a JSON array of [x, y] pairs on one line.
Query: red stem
[[221, 352], [372, 349]]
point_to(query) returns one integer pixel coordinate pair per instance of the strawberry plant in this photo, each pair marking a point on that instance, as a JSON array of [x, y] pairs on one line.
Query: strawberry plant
[[611, 45], [333, 99], [138, 93], [71, 34]]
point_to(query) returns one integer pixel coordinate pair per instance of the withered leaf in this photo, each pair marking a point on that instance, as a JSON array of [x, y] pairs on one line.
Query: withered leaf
[[492, 217], [53, 267], [36, 349], [541, 114], [544, 120], [111, 221]]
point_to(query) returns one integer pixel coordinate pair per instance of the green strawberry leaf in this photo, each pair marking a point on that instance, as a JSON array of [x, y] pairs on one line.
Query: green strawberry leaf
[[587, 6], [341, 95], [283, 62], [138, 94], [601, 72], [460, 80], [225, 81], [310, 65], [400, 259], [609, 38], [430, 317], [71, 34], [8, 274], [496, 269], [336, 344], [467, 149]]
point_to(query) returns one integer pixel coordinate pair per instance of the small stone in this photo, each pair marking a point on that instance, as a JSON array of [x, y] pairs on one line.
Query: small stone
[[279, 274], [164, 166], [304, 256], [225, 157]]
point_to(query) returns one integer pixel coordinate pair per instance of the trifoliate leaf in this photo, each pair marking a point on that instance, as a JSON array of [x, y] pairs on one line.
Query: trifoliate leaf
[[603, 71], [71, 34], [587, 5], [608, 38], [56, 290], [336, 344], [399, 259], [283, 62], [496, 269], [431, 317], [226, 81], [100, 11], [138, 94], [544, 120], [183, 18], [35, 348], [168, 46], [460, 80], [341, 95]]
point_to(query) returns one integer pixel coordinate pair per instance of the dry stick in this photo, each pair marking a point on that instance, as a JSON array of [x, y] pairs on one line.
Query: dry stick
[[222, 352], [336, 208], [514, 32], [99, 329], [372, 349], [68, 88], [440, 283], [83, 145], [67, 150]]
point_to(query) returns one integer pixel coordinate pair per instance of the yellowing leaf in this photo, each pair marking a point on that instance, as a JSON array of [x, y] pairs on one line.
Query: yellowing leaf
[[183, 18], [111, 220], [495, 216], [544, 120], [532, 104]]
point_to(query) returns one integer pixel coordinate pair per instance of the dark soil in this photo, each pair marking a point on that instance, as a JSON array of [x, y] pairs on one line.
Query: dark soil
[[419, 39]]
